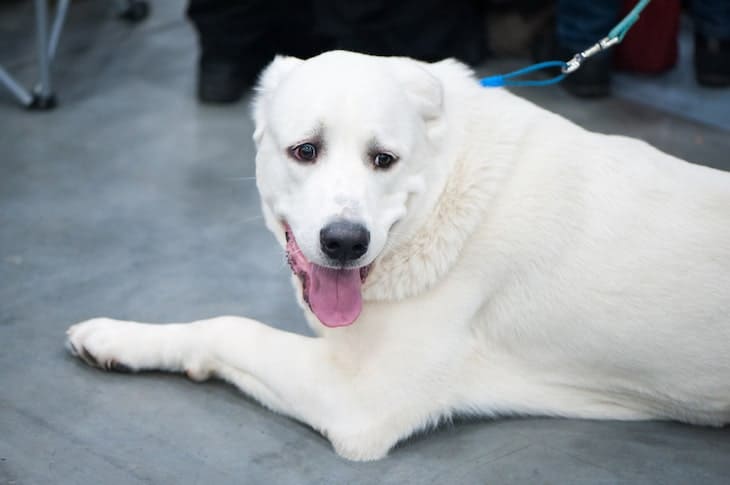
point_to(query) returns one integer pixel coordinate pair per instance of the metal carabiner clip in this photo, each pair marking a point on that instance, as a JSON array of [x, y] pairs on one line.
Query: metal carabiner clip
[[603, 44]]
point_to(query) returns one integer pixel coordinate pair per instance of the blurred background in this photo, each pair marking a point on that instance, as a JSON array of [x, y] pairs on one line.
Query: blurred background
[[126, 190]]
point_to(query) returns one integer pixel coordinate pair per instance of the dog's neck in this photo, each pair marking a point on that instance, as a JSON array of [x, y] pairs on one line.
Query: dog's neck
[[416, 264]]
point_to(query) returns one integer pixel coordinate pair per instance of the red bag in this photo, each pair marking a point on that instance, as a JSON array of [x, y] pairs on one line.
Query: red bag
[[651, 44]]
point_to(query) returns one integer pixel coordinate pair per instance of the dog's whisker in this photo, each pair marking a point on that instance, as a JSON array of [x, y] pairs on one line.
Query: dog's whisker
[[297, 251], [285, 262], [252, 219], [241, 178]]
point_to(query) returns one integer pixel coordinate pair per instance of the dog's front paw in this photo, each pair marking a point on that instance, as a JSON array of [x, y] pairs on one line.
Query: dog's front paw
[[104, 343]]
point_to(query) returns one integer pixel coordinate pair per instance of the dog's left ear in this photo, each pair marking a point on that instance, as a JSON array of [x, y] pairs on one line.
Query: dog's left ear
[[269, 80], [422, 88]]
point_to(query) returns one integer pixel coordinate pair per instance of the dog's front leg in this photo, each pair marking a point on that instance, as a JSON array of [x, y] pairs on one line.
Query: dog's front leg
[[292, 374]]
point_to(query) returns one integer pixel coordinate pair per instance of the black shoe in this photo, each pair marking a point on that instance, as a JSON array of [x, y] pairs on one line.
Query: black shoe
[[222, 81], [591, 80], [712, 61]]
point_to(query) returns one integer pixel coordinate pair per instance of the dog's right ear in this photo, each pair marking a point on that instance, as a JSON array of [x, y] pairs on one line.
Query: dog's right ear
[[423, 89], [269, 80]]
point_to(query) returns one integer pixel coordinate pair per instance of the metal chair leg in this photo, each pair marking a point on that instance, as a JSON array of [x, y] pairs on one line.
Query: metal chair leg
[[23, 95], [58, 19], [43, 97]]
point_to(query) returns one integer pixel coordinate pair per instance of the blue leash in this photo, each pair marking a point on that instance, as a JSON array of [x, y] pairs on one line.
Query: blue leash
[[615, 36], [506, 79]]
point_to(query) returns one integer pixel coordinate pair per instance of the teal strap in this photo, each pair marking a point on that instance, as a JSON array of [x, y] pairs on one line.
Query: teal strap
[[622, 28]]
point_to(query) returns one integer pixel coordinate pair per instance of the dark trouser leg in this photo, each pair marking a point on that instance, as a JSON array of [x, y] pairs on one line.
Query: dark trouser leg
[[580, 24], [235, 44], [239, 38], [430, 30], [711, 18], [712, 41], [234, 29]]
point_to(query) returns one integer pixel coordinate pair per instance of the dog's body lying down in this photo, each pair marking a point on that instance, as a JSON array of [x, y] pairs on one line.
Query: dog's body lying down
[[459, 250]]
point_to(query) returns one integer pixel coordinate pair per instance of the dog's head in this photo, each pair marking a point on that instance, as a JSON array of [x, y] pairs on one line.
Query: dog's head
[[343, 145]]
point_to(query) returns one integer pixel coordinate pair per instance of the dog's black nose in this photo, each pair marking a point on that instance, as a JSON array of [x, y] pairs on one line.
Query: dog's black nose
[[344, 241]]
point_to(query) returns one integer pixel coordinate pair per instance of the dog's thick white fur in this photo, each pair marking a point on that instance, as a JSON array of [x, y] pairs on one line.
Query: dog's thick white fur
[[521, 264]]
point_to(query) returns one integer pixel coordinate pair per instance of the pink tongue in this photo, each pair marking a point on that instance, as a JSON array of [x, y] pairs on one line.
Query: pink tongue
[[334, 295]]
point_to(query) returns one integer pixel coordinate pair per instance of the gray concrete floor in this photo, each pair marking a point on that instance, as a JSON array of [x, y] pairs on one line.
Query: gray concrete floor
[[132, 201]]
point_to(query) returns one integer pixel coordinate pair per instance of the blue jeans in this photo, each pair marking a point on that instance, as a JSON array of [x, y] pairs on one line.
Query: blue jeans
[[581, 23], [711, 18]]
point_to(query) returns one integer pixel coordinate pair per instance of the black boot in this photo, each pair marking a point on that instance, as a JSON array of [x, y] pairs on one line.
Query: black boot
[[593, 77], [712, 61], [222, 80]]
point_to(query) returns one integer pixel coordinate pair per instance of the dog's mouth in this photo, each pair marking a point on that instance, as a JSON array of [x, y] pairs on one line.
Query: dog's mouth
[[333, 294]]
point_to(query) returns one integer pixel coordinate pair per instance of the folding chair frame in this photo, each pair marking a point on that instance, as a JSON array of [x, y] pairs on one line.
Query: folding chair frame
[[41, 97]]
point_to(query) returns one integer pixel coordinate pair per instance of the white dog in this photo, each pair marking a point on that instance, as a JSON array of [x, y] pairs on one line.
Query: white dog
[[460, 250]]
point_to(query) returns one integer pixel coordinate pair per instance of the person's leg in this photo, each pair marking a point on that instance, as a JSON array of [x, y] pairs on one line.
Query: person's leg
[[712, 18], [235, 44], [580, 24], [238, 38], [429, 30], [297, 31], [712, 41]]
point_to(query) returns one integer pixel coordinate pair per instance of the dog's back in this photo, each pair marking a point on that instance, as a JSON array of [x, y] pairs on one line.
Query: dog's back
[[606, 270]]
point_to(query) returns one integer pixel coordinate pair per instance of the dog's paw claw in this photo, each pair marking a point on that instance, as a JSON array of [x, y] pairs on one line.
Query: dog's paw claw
[[115, 366], [88, 357]]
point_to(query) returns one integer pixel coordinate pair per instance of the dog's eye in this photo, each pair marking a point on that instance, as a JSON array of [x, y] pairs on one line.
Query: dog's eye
[[306, 152], [383, 160]]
